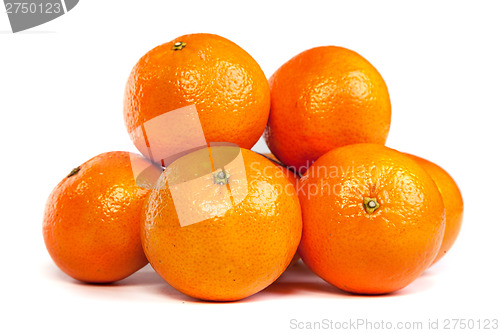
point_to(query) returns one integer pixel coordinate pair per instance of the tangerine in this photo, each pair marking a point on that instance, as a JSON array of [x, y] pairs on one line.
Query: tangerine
[[453, 203], [92, 217], [220, 225], [373, 219], [324, 98], [225, 84]]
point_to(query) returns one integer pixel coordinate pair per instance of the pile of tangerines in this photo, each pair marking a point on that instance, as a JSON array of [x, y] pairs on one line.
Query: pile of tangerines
[[218, 221]]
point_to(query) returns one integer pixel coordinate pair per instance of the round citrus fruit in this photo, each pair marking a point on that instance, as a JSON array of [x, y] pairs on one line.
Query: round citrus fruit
[[324, 98], [373, 219], [225, 84], [220, 225], [92, 217], [453, 203]]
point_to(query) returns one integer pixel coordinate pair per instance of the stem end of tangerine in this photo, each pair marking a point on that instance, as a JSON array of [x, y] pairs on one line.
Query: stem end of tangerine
[[370, 205], [221, 177], [178, 46], [73, 172]]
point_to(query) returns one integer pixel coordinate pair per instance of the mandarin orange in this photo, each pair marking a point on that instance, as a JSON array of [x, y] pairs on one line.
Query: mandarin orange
[[453, 202], [324, 98], [373, 219], [225, 84], [92, 217], [220, 224]]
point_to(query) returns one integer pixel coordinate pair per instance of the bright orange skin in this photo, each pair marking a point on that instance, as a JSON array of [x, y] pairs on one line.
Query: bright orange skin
[[294, 179], [324, 98], [361, 252], [91, 221], [229, 89], [229, 257], [453, 203]]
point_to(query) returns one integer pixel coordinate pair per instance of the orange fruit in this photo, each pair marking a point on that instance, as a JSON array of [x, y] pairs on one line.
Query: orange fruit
[[220, 225], [324, 98], [92, 217], [373, 219], [227, 86], [453, 203]]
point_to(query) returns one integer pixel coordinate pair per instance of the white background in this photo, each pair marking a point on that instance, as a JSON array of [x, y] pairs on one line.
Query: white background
[[61, 90]]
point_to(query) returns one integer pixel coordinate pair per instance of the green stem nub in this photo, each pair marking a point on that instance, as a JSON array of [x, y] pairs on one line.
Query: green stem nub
[[178, 46], [73, 172], [370, 204], [221, 177]]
